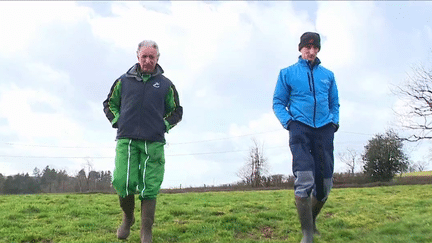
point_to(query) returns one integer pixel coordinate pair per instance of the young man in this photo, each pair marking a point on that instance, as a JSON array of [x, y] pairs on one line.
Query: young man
[[142, 104], [306, 103]]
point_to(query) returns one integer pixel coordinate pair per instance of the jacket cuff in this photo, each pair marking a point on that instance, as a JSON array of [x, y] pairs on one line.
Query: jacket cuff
[[114, 122], [288, 124], [336, 126], [167, 126]]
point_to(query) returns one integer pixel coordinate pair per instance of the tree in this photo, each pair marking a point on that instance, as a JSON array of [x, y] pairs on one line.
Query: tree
[[9, 186], [48, 179], [418, 166], [94, 177], [89, 166], [350, 158], [20, 184], [37, 175], [421, 165], [255, 166], [36, 172], [416, 95], [2, 180], [105, 181], [278, 179], [82, 180], [384, 157], [62, 179]]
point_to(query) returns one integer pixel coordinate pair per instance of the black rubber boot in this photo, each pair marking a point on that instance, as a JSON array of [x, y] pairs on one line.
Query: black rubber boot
[[316, 209], [148, 208], [304, 209], [127, 204]]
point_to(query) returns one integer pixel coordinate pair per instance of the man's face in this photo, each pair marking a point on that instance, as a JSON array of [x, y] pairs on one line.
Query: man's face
[[147, 58], [309, 52]]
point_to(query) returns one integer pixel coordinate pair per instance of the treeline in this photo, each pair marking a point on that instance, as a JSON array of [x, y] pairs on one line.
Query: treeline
[[56, 181], [267, 181], [277, 182]]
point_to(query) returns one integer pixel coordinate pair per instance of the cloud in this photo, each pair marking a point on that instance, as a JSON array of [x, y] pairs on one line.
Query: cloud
[[28, 18], [223, 57], [27, 122]]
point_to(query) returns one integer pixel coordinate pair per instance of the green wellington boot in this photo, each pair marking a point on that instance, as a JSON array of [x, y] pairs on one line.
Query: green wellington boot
[[316, 209], [127, 204], [148, 208], [304, 209]]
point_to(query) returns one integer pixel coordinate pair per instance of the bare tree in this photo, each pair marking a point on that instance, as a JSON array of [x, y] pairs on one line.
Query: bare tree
[[89, 166], [422, 165], [82, 180], [94, 177], [278, 179], [416, 95], [418, 166], [255, 166], [351, 158]]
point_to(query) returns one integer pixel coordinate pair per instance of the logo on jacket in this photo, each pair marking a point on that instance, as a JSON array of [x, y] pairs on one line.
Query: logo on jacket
[[156, 85], [325, 81]]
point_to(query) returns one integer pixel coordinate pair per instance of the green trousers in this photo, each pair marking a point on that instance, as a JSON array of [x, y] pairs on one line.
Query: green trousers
[[139, 168]]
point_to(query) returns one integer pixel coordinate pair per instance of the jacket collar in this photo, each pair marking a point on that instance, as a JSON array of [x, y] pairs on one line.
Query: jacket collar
[[307, 62], [135, 72]]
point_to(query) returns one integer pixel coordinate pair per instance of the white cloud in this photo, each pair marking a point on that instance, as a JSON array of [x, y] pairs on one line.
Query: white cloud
[[21, 21], [200, 33], [349, 30], [29, 124], [223, 57], [266, 128]]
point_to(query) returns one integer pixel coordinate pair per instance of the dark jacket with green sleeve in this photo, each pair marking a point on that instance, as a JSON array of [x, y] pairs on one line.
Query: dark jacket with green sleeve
[[143, 106]]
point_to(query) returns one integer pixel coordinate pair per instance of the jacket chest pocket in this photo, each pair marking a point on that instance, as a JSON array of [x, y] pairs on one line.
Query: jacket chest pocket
[[322, 86], [302, 86]]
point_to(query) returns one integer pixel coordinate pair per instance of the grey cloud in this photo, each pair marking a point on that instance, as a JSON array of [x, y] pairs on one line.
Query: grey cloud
[[311, 7], [91, 64], [101, 8], [160, 6]]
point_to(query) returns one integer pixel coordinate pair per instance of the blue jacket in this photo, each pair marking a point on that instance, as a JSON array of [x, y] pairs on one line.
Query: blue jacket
[[305, 94]]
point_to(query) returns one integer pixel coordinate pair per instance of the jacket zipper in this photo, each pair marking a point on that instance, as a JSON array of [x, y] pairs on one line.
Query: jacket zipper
[[314, 95], [310, 85]]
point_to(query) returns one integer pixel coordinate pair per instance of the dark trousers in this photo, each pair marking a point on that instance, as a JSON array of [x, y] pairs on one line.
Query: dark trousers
[[313, 160]]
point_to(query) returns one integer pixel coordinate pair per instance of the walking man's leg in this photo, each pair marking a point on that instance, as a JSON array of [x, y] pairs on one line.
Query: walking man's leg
[[152, 169], [303, 169], [125, 181], [322, 151], [127, 204]]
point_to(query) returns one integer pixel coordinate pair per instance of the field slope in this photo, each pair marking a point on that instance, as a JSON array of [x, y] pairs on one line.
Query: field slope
[[379, 214]]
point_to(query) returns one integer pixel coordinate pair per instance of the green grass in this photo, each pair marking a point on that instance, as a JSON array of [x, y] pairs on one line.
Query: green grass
[[379, 214], [418, 173]]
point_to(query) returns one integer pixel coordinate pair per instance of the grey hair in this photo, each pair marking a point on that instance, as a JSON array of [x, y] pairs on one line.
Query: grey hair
[[147, 43]]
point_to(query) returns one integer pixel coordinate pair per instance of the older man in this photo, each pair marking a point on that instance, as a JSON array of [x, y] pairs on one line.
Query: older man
[[143, 105], [306, 103]]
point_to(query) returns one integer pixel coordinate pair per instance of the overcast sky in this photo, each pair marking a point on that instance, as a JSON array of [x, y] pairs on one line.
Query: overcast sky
[[58, 61]]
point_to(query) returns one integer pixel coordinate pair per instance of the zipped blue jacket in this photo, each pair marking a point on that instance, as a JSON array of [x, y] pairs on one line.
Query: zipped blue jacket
[[306, 94]]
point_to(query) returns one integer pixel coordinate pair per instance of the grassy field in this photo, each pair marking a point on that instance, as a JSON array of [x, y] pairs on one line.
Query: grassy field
[[418, 173], [379, 214]]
